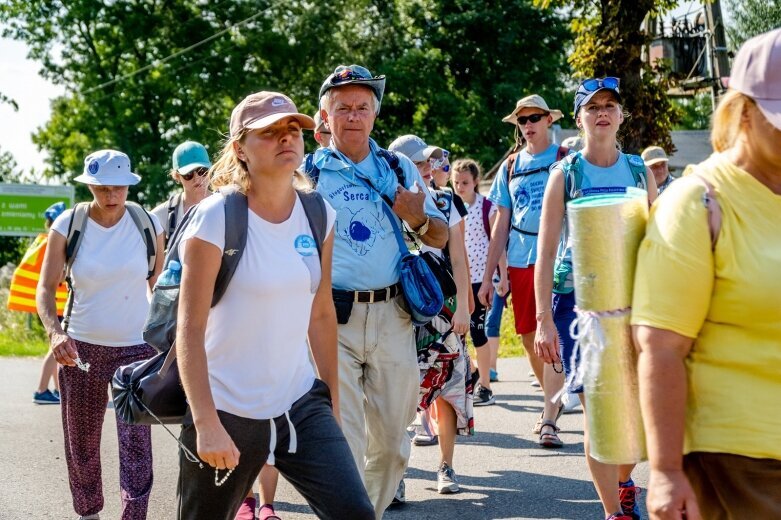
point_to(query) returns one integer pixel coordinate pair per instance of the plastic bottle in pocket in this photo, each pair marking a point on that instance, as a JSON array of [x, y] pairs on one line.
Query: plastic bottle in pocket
[[172, 275]]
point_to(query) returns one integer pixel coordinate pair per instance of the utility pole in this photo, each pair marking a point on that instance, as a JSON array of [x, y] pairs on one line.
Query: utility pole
[[719, 62]]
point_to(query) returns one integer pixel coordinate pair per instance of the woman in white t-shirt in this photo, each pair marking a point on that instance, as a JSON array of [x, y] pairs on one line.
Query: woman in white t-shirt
[[110, 279], [244, 363]]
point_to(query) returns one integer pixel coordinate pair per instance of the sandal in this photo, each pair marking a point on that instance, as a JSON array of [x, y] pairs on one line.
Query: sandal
[[538, 424], [550, 440], [267, 512]]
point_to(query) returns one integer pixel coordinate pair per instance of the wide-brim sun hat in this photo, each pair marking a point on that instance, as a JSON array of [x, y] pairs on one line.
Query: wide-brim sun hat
[[189, 156], [354, 75], [415, 148], [263, 109], [533, 101], [588, 88], [756, 72], [654, 155], [108, 168]]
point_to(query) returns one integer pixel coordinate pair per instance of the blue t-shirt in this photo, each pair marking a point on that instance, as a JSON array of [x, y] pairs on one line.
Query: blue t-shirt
[[524, 198], [598, 180], [366, 253]]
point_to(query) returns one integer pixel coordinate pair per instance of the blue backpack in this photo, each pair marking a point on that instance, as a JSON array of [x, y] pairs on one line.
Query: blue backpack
[[572, 166]]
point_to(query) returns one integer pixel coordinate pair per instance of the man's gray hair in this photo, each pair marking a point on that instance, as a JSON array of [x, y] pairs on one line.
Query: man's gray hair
[[325, 101]]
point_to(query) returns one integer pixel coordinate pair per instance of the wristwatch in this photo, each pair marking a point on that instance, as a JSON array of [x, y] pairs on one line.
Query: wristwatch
[[422, 230]]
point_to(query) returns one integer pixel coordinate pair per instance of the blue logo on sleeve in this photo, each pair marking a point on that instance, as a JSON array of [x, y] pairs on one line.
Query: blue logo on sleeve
[[305, 245]]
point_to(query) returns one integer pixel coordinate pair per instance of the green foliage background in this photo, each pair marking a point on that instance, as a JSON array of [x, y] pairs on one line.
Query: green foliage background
[[454, 68]]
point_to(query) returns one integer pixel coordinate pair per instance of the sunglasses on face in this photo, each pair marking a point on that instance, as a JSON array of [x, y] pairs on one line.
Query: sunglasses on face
[[590, 85], [534, 118], [200, 172]]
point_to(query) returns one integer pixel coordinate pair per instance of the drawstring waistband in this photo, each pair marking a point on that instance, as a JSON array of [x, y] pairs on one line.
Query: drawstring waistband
[[272, 444]]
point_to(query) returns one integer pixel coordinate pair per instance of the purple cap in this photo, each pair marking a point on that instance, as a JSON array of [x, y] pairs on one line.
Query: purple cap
[[756, 72]]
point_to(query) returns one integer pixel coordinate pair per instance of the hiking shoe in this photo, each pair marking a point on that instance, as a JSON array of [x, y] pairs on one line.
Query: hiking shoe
[[90, 517], [627, 494], [493, 375], [46, 397], [483, 397], [400, 497], [571, 402], [618, 516], [423, 439], [446, 480]]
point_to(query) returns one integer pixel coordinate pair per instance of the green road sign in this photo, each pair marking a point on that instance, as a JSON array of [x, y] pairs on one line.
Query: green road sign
[[22, 207]]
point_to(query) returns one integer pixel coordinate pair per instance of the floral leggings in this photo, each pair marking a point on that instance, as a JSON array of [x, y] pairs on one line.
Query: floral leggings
[[84, 398]]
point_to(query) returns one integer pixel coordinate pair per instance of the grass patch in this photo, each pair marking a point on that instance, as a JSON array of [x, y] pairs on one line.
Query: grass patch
[[21, 333], [510, 344]]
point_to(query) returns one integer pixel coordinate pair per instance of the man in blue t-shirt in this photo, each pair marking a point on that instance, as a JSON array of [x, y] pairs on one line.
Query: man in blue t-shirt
[[518, 195], [378, 367]]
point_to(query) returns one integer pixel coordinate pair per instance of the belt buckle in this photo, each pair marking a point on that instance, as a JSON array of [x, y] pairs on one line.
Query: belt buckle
[[371, 296]]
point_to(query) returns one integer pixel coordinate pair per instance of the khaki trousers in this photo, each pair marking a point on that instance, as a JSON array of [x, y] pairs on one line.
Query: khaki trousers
[[378, 390]]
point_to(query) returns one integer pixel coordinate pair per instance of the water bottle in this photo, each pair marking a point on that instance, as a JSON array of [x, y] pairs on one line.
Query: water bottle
[[172, 275]]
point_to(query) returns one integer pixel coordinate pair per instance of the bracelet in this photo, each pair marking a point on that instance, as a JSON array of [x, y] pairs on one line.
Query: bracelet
[[542, 313]]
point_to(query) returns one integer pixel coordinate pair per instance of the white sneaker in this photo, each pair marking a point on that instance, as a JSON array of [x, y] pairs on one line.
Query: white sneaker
[[571, 402], [447, 482]]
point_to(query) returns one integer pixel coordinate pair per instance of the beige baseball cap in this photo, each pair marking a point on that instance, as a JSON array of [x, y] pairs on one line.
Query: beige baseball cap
[[653, 155], [263, 109], [533, 101]]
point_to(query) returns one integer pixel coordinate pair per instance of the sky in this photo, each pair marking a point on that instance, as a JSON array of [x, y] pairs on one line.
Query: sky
[[20, 81]]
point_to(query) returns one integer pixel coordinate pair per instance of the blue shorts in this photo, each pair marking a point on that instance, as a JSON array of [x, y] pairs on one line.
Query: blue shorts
[[563, 307], [493, 321]]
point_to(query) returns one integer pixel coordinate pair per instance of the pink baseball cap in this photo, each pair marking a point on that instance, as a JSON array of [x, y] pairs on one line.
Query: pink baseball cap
[[756, 72], [263, 109]]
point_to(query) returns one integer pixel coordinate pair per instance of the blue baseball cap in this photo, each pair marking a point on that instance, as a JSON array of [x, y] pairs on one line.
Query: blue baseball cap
[[591, 86], [190, 155], [54, 211], [354, 75]]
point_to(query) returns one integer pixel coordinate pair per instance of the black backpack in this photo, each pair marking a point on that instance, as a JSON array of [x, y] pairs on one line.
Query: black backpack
[[150, 391]]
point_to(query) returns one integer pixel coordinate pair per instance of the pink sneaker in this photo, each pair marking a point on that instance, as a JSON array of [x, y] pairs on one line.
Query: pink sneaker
[[246, 510], [267, 513]]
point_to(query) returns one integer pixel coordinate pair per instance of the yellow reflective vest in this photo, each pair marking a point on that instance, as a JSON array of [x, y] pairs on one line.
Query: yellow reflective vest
[[25, 280]]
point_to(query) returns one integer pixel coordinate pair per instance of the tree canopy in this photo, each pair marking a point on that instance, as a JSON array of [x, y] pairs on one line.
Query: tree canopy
[[749, 18], [139, 79]]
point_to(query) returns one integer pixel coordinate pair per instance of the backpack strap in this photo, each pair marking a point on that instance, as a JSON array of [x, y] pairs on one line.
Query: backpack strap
[[486, 211], [572, 168], [173, 204], [314, 207], [510, 165], [236, 207], [76, 227], [312, 171], [146, 227], [393, 161], [639, 172], [444, 201]]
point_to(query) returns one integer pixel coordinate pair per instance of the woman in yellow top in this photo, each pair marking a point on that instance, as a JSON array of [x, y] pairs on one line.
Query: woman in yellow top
[[709, 328]]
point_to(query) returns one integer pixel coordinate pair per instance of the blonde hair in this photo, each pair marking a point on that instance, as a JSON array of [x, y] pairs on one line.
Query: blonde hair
[[469, 166], [726, 120], [229, 170]]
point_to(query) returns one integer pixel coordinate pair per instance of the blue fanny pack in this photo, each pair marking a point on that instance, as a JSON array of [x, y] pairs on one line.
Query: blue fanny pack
[[420, 286]]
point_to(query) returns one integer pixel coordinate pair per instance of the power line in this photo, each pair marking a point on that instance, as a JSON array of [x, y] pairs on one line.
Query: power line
[[178, 53]]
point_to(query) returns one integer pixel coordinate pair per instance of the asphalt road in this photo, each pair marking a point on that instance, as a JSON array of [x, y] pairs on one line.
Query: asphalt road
[[504, 474]]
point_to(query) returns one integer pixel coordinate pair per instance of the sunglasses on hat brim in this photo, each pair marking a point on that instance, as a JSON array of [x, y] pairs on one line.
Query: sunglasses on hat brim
[[594, 84], [200, 172]]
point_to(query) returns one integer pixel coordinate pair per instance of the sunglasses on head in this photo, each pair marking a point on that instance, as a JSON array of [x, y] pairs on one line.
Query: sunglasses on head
[[200, 172], [346, 75], [534, 118], [610, 82], [441, 163]]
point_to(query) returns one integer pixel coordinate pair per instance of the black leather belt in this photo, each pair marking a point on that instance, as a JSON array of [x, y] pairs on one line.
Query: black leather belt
[[376, 296]]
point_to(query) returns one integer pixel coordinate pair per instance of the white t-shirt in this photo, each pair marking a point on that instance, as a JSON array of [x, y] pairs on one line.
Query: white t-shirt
[[455, 219], [110, 301], [476, 238], [256, 336]]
